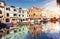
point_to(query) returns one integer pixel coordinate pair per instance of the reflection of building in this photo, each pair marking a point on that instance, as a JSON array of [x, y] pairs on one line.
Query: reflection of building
[[35, 13], [9, 14]]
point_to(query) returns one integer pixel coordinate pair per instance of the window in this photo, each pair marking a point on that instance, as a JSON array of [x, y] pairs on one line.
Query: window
[[22, 15], [13, 19], [19, 15], [19, 11], [15, 14], [34, 14], [27, 12], [29, 15], [31, 18], [7, 14], [1, 16], [23, 19], [8, 9], [23, 11], [39, 18], [14, 9], [0, 4], [0, 12], [7, 20]]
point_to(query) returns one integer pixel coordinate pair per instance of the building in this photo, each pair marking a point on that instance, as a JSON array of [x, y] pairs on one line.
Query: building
[[35, 13], [12, 13], [2, 11], [24, 15], [48, 13]]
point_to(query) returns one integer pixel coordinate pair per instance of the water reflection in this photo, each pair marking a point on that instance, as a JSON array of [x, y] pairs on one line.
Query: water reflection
[[50, 26], [48, 30]]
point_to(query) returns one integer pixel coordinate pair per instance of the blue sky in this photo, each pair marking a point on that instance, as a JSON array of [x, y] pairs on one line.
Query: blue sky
[[26, 3]]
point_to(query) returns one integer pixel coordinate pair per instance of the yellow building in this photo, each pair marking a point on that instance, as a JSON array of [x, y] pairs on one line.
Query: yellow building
[[35, 13]]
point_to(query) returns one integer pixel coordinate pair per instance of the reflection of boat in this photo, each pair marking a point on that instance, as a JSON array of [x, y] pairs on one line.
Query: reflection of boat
[[26, 23], [37, 21]]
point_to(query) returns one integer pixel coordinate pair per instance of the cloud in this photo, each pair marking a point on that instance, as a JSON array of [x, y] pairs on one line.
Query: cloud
[[52, 5]]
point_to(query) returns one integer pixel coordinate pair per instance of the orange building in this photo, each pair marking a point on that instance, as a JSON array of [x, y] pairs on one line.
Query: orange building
[[35, 13]]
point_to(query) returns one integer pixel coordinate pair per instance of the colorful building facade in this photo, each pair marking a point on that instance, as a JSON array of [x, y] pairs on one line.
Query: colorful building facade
[[35, 13]]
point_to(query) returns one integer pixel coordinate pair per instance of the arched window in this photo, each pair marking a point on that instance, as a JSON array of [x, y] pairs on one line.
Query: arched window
[[7, 14], [0, 12]]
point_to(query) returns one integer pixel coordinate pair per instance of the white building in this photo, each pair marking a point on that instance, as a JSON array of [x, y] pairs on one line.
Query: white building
[[10, 13], [2, 11], [23, 14]]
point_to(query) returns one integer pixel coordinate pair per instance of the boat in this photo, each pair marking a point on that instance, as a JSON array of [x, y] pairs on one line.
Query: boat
[[53, 19], [44, 20]]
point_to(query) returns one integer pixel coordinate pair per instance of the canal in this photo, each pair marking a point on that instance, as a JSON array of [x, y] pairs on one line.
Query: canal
[[50, 30]]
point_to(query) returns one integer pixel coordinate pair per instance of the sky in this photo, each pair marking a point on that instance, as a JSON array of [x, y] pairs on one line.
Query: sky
[[52, 5], [26, 3]]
